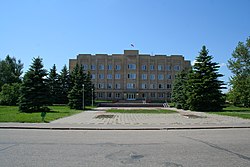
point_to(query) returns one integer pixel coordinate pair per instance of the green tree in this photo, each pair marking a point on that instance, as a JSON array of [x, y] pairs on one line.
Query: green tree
[[239, 64], [204, 87], [64, 81], [75, 95], [34, 89], [88, 88], [10, 94], [53, 82], [10, 71], [180, 88]]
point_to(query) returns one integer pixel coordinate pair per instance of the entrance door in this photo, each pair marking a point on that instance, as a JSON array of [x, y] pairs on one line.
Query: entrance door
[[131, 96]]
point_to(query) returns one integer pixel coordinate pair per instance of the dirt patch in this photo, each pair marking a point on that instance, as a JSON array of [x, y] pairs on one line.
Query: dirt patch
[[104, 116], [192, 116]]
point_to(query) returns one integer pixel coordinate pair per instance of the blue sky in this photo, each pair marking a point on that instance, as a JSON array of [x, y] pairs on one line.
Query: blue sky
[[58, 30]]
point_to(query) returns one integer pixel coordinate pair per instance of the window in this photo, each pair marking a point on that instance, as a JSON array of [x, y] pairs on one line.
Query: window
[[160, 77], [92, 76], [92, 67], [117, 86], [160, 67], [144, 76], [169, 95], [168, 68], [160, 86], [144, 67], [117, 95], [109, 76], [177, 68], [160, 95], [169, 86], [144, 86], [109, 86], [101, 76], [100, 94], [101, 67], [117, 67], [117, 76], [152, 86], [169, 76], [152, 76], [101, 85], [85, 67], [109, 95], [131, 76], [152, 67], [131, 66], [152, 94], [130, 86], [109, 67]]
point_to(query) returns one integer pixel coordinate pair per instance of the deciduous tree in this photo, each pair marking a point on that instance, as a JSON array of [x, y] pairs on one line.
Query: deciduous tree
[[10, 94], [10, 71], [239, 64]]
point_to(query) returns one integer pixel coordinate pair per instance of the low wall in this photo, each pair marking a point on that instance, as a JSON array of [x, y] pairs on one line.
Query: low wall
[[130, 105]]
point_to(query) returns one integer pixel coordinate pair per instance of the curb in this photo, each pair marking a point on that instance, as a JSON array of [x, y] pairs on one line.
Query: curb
[[125, 128]]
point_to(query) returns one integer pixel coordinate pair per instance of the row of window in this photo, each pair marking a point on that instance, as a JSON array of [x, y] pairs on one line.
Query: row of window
[[131, 67], [132, 76], [101, 67], [133, 86], [119, 95]]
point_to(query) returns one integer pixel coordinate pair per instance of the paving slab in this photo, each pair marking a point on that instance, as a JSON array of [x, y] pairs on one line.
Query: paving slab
[[182, 117], [99, 119]]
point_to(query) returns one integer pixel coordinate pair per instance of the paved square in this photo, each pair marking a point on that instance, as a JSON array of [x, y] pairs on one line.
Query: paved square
[[181, 118]]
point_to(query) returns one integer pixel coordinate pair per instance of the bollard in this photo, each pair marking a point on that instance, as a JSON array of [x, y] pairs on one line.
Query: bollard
[[43, 114]]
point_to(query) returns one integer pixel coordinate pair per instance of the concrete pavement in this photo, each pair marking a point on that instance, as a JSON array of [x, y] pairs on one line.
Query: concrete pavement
[[99, 119]]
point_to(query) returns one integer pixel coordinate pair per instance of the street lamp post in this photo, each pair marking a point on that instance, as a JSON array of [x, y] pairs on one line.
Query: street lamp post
[[83, 97], [92, 97]]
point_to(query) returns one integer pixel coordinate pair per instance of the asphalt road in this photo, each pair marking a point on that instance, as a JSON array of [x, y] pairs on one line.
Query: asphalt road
[[189, 148]]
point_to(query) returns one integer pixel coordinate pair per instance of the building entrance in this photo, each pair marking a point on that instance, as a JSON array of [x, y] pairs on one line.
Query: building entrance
[[131, 96]]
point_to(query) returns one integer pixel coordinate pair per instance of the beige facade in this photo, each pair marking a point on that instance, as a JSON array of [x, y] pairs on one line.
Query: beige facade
[[132, 76]]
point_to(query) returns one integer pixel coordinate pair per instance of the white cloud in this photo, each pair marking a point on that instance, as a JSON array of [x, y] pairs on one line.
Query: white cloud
[[193, 62], [222, 64]]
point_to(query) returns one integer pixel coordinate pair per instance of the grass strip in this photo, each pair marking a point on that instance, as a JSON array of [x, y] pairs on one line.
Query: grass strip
[[241, 112], [11, 114]]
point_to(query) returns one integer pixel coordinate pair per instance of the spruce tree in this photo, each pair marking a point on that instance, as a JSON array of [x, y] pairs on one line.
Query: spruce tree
[[204, 87], [179, 96], [53, 83], [34, 92], [64, 82], [88, 86], [75, 95]]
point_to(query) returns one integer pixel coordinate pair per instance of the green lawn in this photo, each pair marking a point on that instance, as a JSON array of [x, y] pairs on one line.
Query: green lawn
[[11, 114], [151, 111], [235, 112]]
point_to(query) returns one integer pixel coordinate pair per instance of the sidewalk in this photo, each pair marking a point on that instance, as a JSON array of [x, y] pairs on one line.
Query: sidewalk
[[101, 120]]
